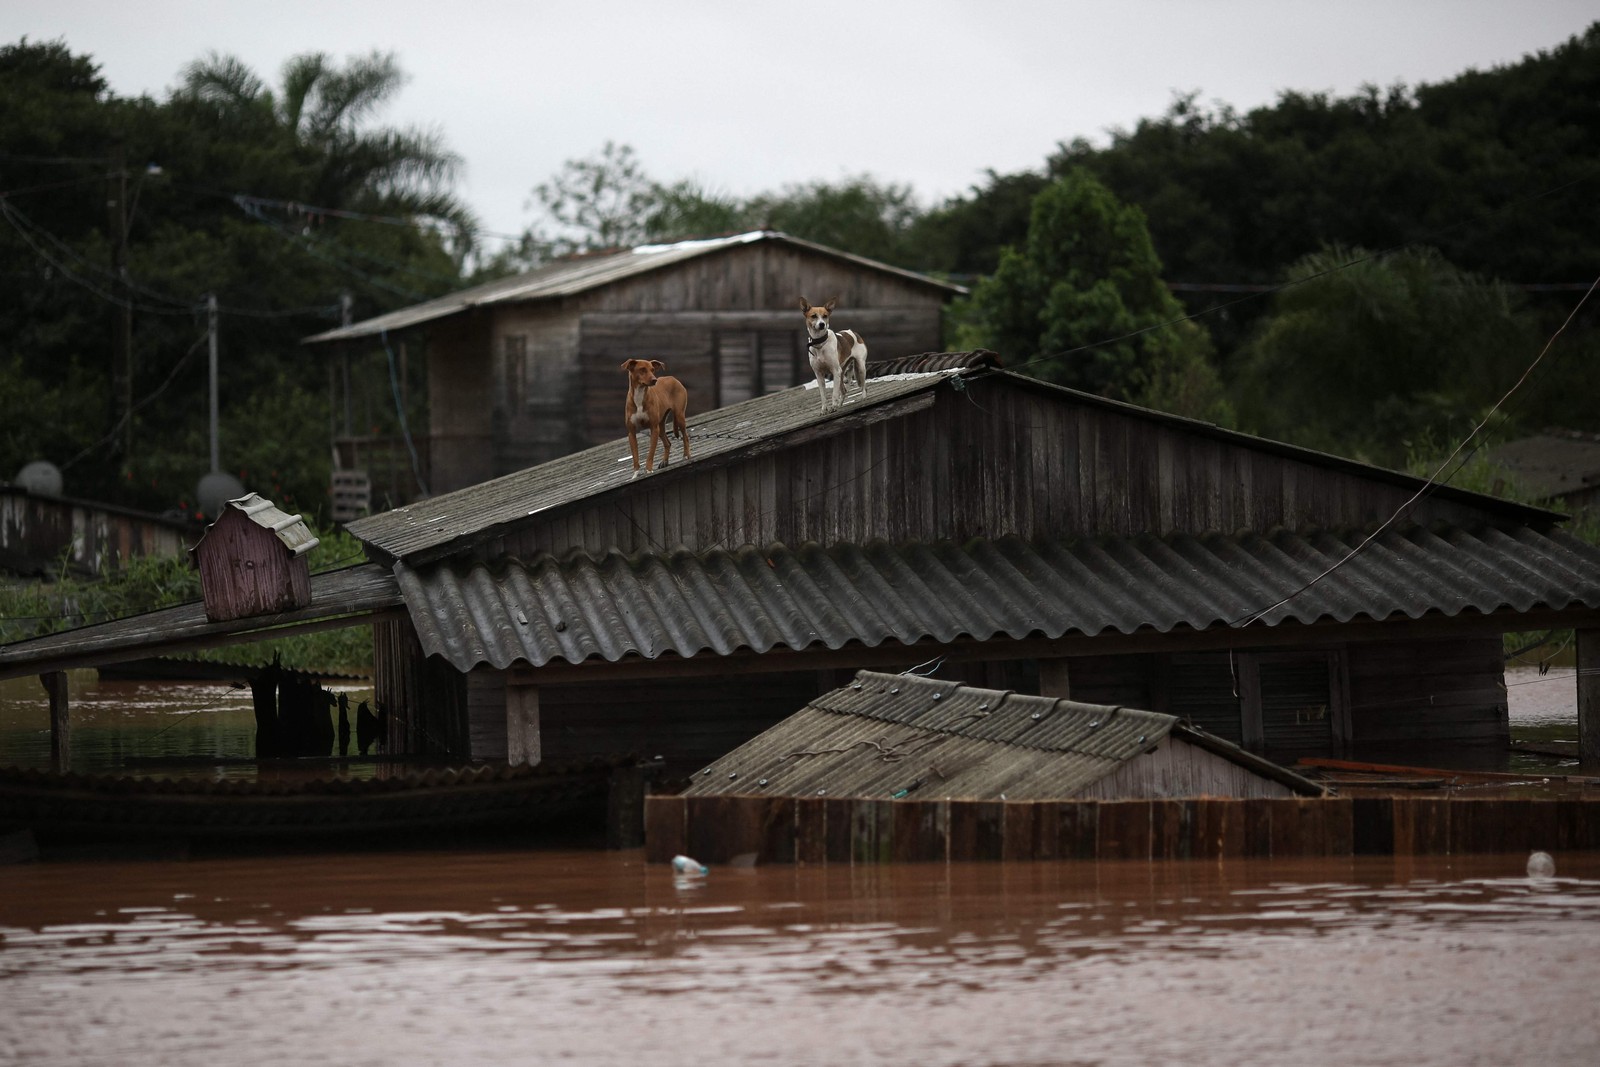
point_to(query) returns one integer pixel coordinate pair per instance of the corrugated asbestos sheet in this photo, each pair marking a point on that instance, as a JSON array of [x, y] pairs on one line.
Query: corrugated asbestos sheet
[[578, 274], [686, 604], [358, 590], [454, 520], [890, 735]]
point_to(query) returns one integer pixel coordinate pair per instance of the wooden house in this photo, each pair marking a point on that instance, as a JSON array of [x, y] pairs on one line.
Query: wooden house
[[527, 369], [253, 561], [1011, 533]]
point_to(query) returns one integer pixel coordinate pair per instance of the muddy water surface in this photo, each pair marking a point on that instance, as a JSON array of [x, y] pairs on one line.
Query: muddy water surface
[[595, 958], [494, 956]]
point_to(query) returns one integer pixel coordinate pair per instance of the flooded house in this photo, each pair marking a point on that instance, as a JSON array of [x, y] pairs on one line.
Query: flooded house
[[524, 369], [1027, 537], [1032, 538]]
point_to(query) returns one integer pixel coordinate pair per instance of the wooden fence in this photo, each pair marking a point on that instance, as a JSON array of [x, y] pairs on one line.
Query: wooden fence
[[847, 830]]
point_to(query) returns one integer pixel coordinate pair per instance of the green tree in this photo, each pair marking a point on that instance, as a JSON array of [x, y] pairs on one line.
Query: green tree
[[1377, 357], [213, 176], [325, 111], [1083, 303]]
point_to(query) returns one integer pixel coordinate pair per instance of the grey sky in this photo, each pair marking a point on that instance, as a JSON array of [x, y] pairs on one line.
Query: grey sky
[[746, 97]]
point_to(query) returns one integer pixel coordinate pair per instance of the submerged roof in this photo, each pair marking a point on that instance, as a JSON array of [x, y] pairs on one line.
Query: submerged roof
[[724, 601], [889, 735], [573, 275]]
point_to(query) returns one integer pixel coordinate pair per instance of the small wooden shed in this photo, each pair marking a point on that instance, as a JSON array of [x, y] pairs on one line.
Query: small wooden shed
[[904, 735], [254, 560]]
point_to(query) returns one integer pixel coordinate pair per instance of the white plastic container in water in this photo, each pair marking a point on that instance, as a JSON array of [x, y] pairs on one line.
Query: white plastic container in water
[[685, 865]]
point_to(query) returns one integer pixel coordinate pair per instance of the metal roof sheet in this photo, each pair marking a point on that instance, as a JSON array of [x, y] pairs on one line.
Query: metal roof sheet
[[606, 608], [453, 521], [572, 275], [888, 735], [290, 530]]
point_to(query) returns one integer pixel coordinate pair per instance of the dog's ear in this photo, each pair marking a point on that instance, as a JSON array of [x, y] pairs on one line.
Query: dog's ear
[[657, 366], [627, 364], [805, 305], [830, 303]]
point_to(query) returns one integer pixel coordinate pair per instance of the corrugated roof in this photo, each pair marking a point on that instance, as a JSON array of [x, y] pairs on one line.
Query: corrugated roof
[[888, 735], [453, 521], [922, 362], [360, 590], [290, 530], [723, 601], [578, 274]]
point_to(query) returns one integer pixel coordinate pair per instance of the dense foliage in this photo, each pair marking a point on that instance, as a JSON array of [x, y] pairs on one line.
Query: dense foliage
[[121, 216], [1362, 274]]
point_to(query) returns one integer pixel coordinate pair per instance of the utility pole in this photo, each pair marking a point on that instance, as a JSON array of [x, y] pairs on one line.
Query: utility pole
[[345, 301], [122, 314], [211, 335]]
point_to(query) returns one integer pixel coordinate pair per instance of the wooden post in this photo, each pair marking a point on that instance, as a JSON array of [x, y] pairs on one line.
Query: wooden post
[[1054, 680], [523, 747], [1588, 642], [55, 684]]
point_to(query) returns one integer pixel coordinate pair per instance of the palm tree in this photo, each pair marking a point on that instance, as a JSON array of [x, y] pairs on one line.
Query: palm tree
[[323, 109]]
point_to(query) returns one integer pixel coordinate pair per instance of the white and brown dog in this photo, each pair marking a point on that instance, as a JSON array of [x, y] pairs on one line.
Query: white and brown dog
[[832, 353], [653, 397]]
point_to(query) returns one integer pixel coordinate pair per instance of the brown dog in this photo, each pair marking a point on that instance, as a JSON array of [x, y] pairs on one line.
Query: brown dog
[[652, 398]]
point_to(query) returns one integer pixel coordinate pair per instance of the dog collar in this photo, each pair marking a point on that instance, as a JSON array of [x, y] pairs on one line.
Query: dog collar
[[816, 342]]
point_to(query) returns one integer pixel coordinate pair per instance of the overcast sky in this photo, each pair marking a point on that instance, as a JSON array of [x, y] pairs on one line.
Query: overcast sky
[[747, 97]]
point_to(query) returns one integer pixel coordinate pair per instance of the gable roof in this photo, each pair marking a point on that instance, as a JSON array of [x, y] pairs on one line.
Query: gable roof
[[895, 735], [447, 523], [810, 596], [454, 522], [572, 275], [1552, 465], [290, 530]]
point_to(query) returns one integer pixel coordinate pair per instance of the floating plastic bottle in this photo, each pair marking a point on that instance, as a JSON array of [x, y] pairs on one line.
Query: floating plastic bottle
[[1541, 865], [685, 865]]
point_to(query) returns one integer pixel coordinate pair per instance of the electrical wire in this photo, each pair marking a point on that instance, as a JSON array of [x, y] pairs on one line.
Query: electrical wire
[[1433, 479]]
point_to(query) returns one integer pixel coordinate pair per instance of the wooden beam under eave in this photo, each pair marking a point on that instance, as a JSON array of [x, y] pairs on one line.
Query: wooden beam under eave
[[1588, 654], [96, 657], [55, 684]]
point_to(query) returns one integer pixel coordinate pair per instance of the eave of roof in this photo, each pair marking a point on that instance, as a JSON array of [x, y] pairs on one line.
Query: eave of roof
[[579, 274], [353, 592], [726, 601]]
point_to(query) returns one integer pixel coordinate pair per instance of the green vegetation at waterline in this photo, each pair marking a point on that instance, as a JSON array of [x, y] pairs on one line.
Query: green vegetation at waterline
[[36, 608]]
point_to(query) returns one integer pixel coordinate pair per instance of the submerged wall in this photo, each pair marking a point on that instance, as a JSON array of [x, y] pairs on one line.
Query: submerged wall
[[851, 830]]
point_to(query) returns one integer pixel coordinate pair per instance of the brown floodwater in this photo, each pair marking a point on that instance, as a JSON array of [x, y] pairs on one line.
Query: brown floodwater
[[517, 957], [488, 954]]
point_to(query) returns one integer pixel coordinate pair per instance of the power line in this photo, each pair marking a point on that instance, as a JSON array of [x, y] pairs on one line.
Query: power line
[[1433, 479]]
